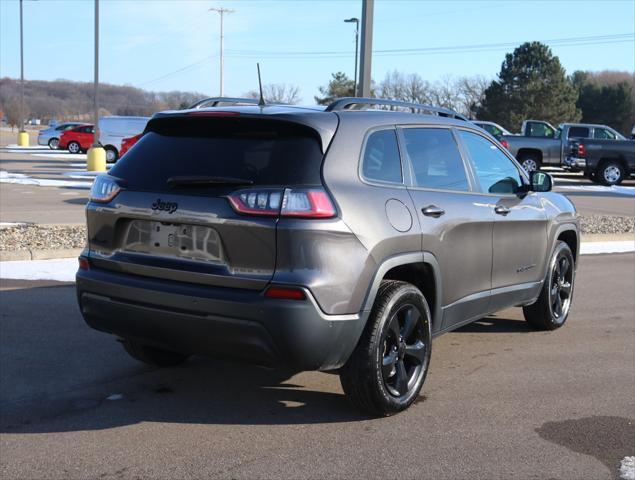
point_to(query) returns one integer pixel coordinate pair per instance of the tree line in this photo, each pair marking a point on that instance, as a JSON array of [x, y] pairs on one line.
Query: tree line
[[532, 84], [68, 100]]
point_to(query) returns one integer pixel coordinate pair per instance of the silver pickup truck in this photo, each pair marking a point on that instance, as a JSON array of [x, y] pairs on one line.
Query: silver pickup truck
[[542, 144]]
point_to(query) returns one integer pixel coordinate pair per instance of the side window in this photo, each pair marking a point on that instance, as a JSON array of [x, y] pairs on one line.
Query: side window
[[381, 157], [435, 159], [603, 134], [495, 171], [578, 132]]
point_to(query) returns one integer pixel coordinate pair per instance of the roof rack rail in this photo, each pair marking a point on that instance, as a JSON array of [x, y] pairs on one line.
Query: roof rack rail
[[218, 101], [358, 103]]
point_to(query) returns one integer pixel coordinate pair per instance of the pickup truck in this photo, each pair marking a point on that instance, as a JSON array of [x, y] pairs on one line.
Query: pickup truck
[[607, 162], [540, 143]]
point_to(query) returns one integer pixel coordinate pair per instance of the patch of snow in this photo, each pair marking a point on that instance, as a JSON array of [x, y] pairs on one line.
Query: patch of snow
[[19, 178], [615, 246], [61, 270], [627, 468], [61, 156], [15, 146], [81, 174], [618, 189], [10, 224]]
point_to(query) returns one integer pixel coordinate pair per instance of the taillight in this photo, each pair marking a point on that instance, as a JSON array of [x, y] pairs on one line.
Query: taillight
[[104, 189], [505, 143], [83, 263], [307, 203], [293, 202], [285, 293], [581, 150], [257, 202]]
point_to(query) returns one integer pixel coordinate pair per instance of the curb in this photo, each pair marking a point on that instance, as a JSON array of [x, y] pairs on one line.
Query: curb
[[47, 254]]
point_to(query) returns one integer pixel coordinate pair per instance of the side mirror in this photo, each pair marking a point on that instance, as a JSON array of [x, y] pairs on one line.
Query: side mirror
[[540, 181]]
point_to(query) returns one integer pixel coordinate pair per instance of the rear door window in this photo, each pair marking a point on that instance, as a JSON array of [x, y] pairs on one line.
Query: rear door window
[[435, 159], [260, 152], [578, 132], [381, 160], [603, 134]]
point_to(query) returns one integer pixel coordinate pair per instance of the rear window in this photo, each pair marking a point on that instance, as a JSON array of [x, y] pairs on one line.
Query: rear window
[[578, 132], [265, 152]]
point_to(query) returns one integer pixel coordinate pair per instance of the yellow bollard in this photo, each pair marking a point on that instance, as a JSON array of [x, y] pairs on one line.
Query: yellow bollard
[[96, 160], [23, 139]]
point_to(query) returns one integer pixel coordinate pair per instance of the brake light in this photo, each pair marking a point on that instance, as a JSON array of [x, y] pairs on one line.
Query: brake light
[[285, 293], [293, 202], [104, 189], [83, 263], [207, 113], [581, 150], [505, 143]]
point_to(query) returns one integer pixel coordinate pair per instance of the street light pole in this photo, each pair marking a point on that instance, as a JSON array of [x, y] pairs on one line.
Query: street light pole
[[96, 158], [222, 12], [356, 22], [367, 48]]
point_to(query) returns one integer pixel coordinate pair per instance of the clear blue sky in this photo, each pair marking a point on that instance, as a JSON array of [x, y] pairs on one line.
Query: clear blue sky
[[146, 42]]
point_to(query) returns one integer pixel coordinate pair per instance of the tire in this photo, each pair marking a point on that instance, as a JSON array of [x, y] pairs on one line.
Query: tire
[[74, 147], [54, 143], [551, 309], [152, 355], [111, 154], [610, 172], [386, 371], [530, 162]]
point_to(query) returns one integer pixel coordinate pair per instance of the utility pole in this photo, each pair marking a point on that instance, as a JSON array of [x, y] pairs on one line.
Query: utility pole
[[222, 12], [356, 22], [367, 48], [96, 86]]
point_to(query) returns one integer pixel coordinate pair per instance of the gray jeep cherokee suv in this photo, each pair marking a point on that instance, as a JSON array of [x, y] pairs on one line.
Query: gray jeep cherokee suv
[[338, 239]]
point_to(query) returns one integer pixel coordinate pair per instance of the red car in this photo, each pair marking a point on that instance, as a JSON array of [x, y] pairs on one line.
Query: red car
[[127, 143], [78, 139]]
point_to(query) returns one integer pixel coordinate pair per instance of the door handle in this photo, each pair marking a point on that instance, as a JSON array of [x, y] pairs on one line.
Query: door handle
[[501, 210], [432, 211]]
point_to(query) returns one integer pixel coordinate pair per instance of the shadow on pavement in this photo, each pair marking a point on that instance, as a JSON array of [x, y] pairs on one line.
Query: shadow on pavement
[[493, 324], [57, 374]]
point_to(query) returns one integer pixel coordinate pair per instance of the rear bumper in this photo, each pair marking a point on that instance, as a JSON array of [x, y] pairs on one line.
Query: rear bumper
[[43, 140], [575, 162], [214, 321]]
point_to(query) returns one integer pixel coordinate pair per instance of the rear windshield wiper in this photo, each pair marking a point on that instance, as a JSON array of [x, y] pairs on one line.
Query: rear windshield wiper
[[203, 181]]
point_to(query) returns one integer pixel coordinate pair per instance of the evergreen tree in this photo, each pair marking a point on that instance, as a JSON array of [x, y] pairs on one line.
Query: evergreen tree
[[339, 86], [531, 84]]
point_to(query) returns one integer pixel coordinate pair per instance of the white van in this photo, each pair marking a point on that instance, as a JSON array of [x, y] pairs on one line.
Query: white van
[[112, 130]]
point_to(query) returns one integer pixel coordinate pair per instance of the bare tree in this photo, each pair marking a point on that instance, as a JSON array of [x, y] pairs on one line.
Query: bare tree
[[407, 88], [278, 93], [12, 112]]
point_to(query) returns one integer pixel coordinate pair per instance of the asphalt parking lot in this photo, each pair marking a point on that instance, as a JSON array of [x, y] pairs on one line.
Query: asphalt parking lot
[[63, 201], [500, 401]]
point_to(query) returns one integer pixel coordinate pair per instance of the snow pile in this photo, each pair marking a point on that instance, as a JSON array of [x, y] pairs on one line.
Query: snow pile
[[61, 270], [627, 468], [618, 189]]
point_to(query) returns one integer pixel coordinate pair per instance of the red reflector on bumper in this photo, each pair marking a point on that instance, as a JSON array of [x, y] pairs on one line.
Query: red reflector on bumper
[[285, 293]]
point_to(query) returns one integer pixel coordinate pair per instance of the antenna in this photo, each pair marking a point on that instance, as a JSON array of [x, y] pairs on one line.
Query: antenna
[[261, 102]]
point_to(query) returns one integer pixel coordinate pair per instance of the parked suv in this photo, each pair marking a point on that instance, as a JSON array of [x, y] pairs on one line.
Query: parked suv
[[342, 239]]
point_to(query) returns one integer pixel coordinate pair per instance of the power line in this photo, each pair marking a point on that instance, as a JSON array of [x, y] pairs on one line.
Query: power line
[[587, 40], [180, 70]]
